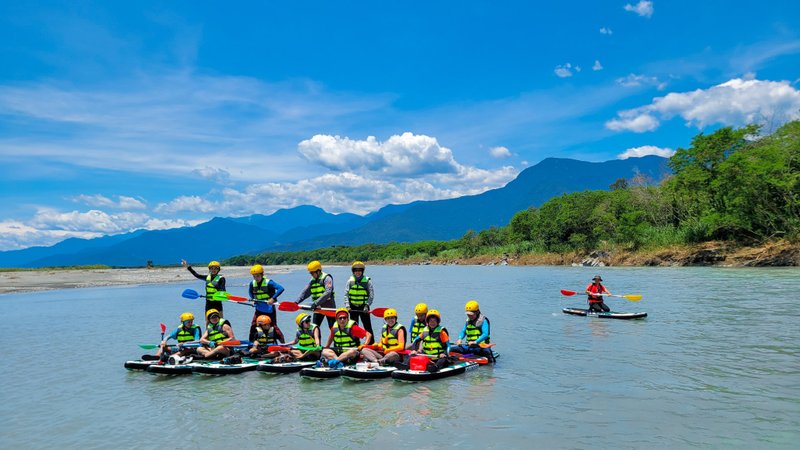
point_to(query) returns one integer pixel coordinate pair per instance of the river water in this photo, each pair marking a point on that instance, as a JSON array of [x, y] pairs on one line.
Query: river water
[[715, 365]]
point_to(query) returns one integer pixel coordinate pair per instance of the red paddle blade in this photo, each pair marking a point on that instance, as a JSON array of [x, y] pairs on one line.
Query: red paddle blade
[[230, 343], [235, 298], [378, 312], [325, 312], [288, 306], [565, 292], [163, 328], [278, 348]]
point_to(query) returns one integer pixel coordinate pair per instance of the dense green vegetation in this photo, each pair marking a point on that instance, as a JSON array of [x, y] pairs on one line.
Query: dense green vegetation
[[731, 185]]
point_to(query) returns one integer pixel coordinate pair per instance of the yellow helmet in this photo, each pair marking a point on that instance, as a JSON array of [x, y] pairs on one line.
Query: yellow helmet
[[391, 312], [213, 264], [263, 320], [342, 310], [358, 265], [302, 317], [210, 312], [314, 266], [256, 269], [421, 308], [471, 306], [187, 316], [432, 313]]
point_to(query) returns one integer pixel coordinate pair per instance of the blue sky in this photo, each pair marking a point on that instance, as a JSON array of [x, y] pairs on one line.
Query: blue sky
[[116, 116]]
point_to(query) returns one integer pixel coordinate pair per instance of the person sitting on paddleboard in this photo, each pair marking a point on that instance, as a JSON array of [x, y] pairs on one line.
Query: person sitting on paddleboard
[[475, 332], [263, 292], [594, 291], [218, 330], [308, 339], [346, 337], [187, 332], [214, 283], [266, 335], [393, 340], [320, 289], [418, 322], [433, 342], [358, 295]]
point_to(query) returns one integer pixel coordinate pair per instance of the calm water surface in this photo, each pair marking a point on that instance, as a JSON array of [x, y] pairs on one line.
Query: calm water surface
[[715, 365]]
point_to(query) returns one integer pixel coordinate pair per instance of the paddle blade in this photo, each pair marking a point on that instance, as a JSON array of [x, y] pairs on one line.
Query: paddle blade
[[288, 306], [148, 346], [568, 293], [163, 329], [632, 297], [190, 293], [378, 312], [325, 312], [231, 343], [278, 348], [235, 298]]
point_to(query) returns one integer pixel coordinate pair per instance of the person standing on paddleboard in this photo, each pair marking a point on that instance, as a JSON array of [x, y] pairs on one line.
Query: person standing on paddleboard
[[214, 283], [358, 296], [263, 292], [595, 291], [320, 289], [476, 332]]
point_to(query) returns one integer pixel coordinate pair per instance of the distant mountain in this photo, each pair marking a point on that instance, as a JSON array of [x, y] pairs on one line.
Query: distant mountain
[[309, 227], [450, 219]]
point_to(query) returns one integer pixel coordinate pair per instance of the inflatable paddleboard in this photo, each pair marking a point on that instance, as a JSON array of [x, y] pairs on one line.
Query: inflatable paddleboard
[[604, 315], [281, 368], [416, 376], [365, 371]]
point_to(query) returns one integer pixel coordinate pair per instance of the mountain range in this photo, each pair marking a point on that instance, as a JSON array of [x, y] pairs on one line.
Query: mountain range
[[309, 227]]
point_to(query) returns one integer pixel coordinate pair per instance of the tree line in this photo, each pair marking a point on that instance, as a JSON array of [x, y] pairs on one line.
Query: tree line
[[733, 185]]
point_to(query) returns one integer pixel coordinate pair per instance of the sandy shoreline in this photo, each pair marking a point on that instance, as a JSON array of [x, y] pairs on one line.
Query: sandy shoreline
[[44, 280]]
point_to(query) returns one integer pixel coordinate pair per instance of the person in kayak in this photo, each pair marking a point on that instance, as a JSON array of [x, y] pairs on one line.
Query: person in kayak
[[418, 322], [214, 283], [346, 337], [218, 330], [595, 291], [320, 289], [475, 332], [359, 295], [186, 333], [393, 340], [308, 339], [264, 293], [433, 343], [267, 334]]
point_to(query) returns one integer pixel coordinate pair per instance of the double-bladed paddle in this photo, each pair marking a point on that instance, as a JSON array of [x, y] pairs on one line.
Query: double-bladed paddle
[[217, 297], [329, 312], [631, 297]]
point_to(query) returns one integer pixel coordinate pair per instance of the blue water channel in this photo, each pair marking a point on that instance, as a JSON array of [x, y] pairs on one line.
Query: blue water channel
[[716, 364]]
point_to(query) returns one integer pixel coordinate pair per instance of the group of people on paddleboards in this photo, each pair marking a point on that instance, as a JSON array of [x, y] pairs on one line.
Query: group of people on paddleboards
[[347, 341]]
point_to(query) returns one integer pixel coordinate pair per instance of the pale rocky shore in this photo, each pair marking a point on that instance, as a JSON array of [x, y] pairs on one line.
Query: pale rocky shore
[[43, 280]]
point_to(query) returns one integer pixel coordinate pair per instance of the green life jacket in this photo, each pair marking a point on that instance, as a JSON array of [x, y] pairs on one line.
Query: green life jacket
[[260, 290], [266, 337], [185, 335], [358, 293], [474, 328], [305, 338], [211, 286], [432, 341], [317, 287], [416, 328], [344, 338], [389, 335], [215, 331]]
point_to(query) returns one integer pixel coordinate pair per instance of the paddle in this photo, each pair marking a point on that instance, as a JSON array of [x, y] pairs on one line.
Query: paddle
[[284, 348], [154, 346], [218, 296], [631, 297], [292, 306]]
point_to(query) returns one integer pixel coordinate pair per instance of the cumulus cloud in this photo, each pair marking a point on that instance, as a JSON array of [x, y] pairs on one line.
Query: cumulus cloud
[[15, 235], [644, 8], [213, 174], [187, 203], [606, 30], [645, 150], [101, 201], [400, 155], [597, 66], [563, 71], [736, 102], [500, 152]]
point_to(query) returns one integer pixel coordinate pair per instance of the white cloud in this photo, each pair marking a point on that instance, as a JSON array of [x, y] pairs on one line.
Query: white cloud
[[16, 235], [123, 202], [399, 156], [635, 80], [606, 30], [597, 66], [644, 8], [214, 174], [500, 152], [736, 102], [645, 150], [563, 71], [185, 203]]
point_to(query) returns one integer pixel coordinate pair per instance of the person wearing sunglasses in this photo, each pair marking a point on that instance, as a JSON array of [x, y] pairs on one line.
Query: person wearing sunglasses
[[345, 336]]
